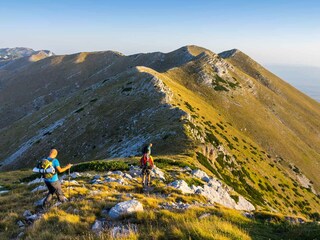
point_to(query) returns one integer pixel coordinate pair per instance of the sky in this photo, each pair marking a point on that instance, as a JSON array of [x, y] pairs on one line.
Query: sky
[[272, 32]]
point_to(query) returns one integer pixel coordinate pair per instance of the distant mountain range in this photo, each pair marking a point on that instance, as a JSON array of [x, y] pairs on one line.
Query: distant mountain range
[[224, 111]]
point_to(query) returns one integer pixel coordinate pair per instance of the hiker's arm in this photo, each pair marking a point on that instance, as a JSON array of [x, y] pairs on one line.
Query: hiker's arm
[[61, 170]]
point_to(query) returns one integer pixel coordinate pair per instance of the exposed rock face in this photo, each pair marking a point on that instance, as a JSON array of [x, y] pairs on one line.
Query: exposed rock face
[[125, 208], [200, 174], [182, 186]]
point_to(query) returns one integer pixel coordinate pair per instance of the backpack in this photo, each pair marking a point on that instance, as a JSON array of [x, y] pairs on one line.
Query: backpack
[[146, 161], [45, 168]]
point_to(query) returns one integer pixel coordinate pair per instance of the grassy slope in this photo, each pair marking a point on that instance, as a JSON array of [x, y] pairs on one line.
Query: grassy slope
[[174, 224]]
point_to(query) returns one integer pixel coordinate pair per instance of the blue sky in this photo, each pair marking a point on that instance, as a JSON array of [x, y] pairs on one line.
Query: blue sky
[[272, 32]]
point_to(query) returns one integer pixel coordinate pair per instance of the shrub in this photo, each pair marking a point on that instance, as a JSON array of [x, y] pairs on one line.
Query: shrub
[[101, 166]]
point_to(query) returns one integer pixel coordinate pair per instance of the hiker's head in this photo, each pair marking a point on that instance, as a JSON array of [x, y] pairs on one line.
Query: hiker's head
[[53, 153], [150, 144]]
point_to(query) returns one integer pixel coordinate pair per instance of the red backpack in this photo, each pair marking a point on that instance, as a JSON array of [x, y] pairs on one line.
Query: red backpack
[[146, 161]]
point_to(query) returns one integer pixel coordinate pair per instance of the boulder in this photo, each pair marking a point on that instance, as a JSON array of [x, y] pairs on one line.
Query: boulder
[[126, 175], [182, 186], [135, 171], [118, 173], [125, 208], [97, 226], [119, 232], [75, 175], [156, 172], [37, 180], [27, 213], [20, 224], [39, 188], [244, 204], [187, 169], [39, 203], [201, 175]]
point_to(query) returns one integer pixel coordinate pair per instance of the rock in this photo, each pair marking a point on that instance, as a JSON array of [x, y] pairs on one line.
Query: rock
[[244, 204], [104, 212], [20, 224], [126, 175], [27, 213], [187, 169], [39, 188], [119, 232], [135, 171], [118, 173], [20, 235], [66, 182], [37, 180], [97, 226], [201, 175], [33, 217], [158, 173], [248, 215], [97, 177], [182, 186], [125, 208], [205, 215], [39, 203], [75, 175], [196, 188], [4, 191]]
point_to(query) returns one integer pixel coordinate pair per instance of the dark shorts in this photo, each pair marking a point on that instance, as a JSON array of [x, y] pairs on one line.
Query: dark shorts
[[146, 170]]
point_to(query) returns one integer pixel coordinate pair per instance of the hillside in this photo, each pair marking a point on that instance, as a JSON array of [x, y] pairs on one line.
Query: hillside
[[225, 113], [166, 210]]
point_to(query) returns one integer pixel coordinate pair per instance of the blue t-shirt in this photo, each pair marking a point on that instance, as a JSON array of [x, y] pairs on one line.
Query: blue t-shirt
[[55, 164]]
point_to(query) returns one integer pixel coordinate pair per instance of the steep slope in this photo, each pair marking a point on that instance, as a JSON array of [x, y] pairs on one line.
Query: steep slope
[[238, 121]]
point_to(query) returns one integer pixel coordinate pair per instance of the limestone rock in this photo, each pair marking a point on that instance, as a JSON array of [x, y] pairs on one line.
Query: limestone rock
[[182, 186], [125, 208], [201, 175]]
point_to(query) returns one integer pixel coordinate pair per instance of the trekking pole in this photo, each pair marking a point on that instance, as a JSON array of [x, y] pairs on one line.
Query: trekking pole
[[69, 184]]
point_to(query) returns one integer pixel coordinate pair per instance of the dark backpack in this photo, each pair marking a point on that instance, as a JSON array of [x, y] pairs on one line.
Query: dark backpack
[[45, 165]]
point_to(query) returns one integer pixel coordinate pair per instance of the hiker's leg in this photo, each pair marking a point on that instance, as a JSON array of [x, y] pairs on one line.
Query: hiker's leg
[[58, 192], [50, 194]]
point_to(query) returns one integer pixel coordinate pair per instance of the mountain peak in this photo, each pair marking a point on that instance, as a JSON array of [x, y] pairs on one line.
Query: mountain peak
[[229, 53]]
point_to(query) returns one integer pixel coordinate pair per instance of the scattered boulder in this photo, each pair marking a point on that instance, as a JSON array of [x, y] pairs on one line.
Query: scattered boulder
[[118, 173], [171, 206], [123, 231], [126, 175], [205, 215], [33, 217], [135, 171], [97, 227], [125, 208], [37, 180], [27, 213], [156, 172], [20, 224], [39, 203], [75, 175], [244, 204], [187, 169], [182, 186], [201, 175], [39, 188]]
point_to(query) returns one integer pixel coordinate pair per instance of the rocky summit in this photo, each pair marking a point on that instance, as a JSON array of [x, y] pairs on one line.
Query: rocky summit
[[225, 132]]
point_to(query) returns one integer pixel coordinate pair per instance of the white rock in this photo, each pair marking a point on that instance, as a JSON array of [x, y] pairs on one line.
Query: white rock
[[125, 208], [75, 175], [158, 173], [20, 224], [126, 175], [201, 175], [118, 173], [37, 180], [182, 186], [39, 202], [97, 226], [33, 217], [244, 204], [4, 191], [27, 213], [187, 169], [39, 188], [135, 171]]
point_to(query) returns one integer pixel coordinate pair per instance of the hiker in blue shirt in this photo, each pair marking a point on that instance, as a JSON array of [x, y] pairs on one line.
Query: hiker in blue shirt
[[53, 183]]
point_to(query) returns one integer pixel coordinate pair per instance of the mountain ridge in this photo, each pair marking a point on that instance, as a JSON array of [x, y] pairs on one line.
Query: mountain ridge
[[230, 114]]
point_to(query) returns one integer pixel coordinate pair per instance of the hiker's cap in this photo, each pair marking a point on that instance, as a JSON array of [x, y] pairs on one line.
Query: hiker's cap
[[53, 153]]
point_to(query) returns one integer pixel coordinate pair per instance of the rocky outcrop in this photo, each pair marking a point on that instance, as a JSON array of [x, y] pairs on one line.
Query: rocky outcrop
[[125, 208]]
